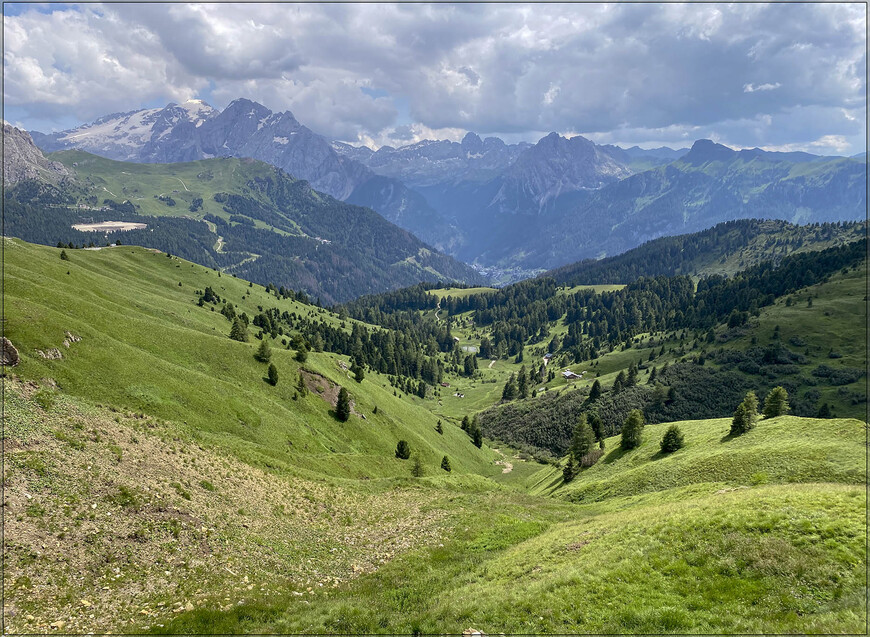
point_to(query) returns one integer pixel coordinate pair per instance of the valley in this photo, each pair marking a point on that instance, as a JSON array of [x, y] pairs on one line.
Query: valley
[[157, 481]]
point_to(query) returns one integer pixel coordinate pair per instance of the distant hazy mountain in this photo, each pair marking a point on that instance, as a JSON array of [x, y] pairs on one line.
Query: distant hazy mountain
[[432, 162], [508, 206], [710, 184]]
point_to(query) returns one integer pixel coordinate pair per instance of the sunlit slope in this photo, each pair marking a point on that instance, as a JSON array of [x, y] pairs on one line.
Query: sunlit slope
[[146, 345]]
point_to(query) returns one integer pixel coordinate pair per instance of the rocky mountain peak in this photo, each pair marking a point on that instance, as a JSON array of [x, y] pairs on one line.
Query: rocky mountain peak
[[23, 160]]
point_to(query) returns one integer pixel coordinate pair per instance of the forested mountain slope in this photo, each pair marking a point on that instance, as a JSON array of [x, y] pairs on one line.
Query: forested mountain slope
[[246, 217]]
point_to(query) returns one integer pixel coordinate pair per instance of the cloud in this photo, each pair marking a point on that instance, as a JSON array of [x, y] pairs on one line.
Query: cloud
[[509, 69], [752, 88]]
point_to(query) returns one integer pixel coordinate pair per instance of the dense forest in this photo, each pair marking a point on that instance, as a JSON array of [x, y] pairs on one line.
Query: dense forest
[[750, 241]]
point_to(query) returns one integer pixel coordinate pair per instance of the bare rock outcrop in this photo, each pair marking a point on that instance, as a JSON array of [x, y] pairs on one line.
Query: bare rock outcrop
[[8, 353]]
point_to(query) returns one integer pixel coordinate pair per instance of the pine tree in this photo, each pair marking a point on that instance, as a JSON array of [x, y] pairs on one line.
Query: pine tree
[[631, 381], [342, 406], [583, 439], [569, 471], [632, 429], [510, 389], [445, 464], [357, 371], [595, 392], [619, 383], [238, 332], [403, 450], [466, 424], [63, 256], [522, 383], [477, 437], [417, 466], [300, 385], [776, 403], [672, 440], [263, 353], [272, 374], [745, 415], [652, 377]]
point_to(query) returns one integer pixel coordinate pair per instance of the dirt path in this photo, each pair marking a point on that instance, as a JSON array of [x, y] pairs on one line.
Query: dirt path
[[507, 466], [182, 183], [219, 244], [491, 363]]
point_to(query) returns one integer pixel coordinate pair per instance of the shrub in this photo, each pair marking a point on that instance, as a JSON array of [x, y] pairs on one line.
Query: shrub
[[672, 440], [403, 450], [445, 464]]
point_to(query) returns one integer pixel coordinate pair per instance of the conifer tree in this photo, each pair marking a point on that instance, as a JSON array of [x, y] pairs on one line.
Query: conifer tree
[[417, 466], [63, 256], [445, 464], [745, 415], [342, 407], [263, 353], [583, 439], [300, 385], [631, 381], [238, 332], [403, 450], [439, 428], [619, 383], [595, 391], [272, 374], [510, 389], [776, 403], [569, 471], [632, 430], [357, 371], [522, 383], [477, 437]]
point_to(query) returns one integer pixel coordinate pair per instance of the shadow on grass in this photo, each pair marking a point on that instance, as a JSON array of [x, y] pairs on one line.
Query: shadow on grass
[[614, 455]]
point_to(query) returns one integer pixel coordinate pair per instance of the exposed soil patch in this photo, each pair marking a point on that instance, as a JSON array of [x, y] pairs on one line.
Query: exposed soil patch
[[325, 388], [109, 226]]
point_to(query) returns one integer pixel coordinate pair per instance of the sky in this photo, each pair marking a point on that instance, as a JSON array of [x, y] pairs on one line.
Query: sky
[[777, 76]]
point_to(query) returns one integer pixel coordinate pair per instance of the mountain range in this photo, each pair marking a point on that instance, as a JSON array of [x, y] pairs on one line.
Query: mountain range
[[244, 216], [503, 207]]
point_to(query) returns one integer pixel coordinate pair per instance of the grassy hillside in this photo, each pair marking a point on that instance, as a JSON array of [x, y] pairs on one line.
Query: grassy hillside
[[146, 346], [774, 534], [780, 450], [155, 482]]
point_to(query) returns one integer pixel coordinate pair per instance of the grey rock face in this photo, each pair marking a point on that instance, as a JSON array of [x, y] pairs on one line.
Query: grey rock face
[[23, 160]]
